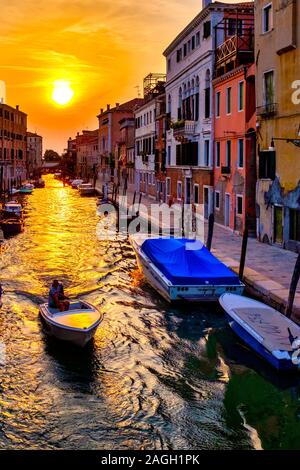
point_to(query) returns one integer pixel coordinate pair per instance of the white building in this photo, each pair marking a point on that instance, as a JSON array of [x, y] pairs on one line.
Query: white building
[[34, 153], [145, 148], [190, 60]]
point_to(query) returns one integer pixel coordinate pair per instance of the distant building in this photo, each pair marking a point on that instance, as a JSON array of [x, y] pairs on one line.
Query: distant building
[[109, 134], [277, 50], [34, 153], [87, 155], [13, 147], [145, 123], [235, 120], [125, 153], [162, 123]]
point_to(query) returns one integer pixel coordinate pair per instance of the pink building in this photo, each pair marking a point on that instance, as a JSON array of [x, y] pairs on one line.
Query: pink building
[[235, 122]]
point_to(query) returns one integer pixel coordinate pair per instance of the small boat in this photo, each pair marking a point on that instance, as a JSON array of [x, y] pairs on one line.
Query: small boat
[[265, 330], [57, 175], [27, 188], [86, 189], [12, 226], [76, 183], [77, 325], [13, 191], [13, 208], [183, 269]]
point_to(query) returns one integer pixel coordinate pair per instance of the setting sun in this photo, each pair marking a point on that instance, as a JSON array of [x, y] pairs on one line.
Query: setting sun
[[62, 92]]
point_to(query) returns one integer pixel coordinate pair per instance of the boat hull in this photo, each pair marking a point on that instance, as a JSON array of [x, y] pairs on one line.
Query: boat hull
[[252, 343], [75, 336], [177, 293]]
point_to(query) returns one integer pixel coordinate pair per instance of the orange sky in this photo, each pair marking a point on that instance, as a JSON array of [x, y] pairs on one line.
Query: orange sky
[[103, 48]]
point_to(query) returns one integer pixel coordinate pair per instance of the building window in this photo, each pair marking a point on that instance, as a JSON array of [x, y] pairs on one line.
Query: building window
[[267, 18], [196, 193], [169, 65], [184, 50], [169, 155], [169, 105], [241, 153], [294, 225], [241, 96], [218, 101], [168, 186], [269, 88], [197, 39], [179, 190], [228, 153], [206, 153], [228, 100], [206, 29], [218, 154], [193, 43], [239, 204], [207, 95], [179, 55], [217, 200]]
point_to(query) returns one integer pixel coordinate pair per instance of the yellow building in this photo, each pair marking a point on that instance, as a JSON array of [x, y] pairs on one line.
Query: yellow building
[[277, 51]]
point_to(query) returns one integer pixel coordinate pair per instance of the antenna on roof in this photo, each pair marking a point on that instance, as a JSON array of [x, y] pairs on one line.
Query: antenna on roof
[[138, 90]]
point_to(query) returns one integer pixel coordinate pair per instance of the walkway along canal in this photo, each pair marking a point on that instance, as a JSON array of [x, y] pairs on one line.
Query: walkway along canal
[[155, 377]]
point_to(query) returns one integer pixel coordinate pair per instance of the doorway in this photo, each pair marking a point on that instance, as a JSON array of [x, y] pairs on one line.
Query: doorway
[[227, 210]]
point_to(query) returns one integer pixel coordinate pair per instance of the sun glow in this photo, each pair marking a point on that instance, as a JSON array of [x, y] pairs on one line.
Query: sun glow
[[62, 92]]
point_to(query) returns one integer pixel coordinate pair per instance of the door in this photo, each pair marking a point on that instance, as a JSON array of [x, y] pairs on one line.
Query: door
[[227, 210], [206, 202], [278, 225], [187, 190]]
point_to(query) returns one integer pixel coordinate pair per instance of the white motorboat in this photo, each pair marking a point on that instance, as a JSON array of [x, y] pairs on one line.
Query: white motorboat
[[14, 191], [13, 208], [183, 269], [77, 325], [86, 189], [270, 334], [76, 183]]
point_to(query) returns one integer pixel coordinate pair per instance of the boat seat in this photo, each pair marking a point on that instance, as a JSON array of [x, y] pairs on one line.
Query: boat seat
[[271, 325]]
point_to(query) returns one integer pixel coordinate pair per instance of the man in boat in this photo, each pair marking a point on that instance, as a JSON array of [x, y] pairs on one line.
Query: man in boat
[[55, 298]]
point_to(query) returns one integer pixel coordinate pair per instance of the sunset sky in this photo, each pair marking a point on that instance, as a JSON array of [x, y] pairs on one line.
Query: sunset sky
[[102, 48]]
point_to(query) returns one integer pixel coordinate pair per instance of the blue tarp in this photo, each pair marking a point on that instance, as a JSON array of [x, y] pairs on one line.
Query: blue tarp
[[185, 266]]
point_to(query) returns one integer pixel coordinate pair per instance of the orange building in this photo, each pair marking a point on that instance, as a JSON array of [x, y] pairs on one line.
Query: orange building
[[109, 135], [13, 146], [235, 121]]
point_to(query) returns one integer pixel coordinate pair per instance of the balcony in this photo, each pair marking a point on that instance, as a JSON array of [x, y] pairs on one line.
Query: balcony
[[268, 110], [182, 130]]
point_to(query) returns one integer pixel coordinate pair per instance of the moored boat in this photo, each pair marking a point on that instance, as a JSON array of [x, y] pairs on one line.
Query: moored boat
[[78, 325], [13, 208], [26, 188], [86, 189], [75, 183], [12, 226], [183, 269], [265, 330]]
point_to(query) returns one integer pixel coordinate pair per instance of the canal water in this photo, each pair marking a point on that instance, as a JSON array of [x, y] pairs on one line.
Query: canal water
[[155, 377]]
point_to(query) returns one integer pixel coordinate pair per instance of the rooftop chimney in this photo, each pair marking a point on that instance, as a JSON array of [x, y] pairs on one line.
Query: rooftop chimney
[[17, 107], [108, 107], [101, 111], [205, 3], [117, 105]]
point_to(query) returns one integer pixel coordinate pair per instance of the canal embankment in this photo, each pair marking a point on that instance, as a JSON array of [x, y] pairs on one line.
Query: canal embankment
[[268, 269]]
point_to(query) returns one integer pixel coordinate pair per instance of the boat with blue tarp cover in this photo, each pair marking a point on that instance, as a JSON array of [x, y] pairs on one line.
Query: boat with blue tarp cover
[[183, 269]]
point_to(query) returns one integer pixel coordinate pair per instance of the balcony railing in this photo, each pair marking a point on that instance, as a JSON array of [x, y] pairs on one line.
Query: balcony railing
[[269, 109], [183, 129]]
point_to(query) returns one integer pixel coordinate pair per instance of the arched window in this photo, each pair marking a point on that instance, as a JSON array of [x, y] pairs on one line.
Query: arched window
[[169, 104], [179, 114], [207, 94]]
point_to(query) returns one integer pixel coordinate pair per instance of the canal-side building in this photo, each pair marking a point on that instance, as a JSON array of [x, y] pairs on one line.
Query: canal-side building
[[109, 134], [34, 154], [145, 135], [161, 127], [13, 146], [87, 153], [277, 50], [125, 153], [235, 121]]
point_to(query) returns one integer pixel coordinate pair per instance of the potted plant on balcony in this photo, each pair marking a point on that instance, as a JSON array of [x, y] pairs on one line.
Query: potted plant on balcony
[[177, 124]]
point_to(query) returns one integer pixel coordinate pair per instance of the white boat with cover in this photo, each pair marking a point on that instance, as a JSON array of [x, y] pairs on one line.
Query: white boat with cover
[[268, 332], [183, 269], [77, 325]]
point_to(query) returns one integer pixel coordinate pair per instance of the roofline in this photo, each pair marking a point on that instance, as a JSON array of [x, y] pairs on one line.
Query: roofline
[[201, 16]]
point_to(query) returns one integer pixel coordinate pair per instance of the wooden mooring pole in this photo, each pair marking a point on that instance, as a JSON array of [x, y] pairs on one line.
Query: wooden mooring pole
[[243, 252], [293, 287], [211, 222]]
